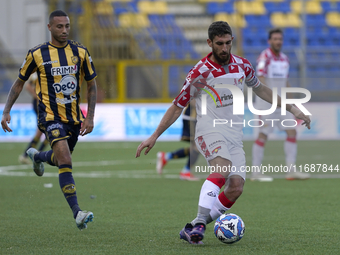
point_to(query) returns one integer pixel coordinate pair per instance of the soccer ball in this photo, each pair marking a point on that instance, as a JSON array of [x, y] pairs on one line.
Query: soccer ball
[[229, 228]]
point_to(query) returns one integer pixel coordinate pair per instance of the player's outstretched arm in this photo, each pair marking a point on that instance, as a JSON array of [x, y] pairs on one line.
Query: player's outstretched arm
[[266, 94], [12, 97], [88, 123], [168, 119]]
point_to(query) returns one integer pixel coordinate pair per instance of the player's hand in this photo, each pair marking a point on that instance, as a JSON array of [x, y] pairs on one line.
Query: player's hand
[[305, 118], [5, 120], [148, 143], [86, 127]]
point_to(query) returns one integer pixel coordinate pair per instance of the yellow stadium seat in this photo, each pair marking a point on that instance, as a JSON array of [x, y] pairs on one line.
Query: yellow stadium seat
[[111, 1], [160, 7], [157, 7], [135, 20], [333, 19], [103, 8], [253, 7], [312, 7], [293, 20], [207, 1], [234, 19], [278, 19]]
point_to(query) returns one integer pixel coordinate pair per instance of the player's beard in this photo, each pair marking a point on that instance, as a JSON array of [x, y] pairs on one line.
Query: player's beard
[[221, 59], [61, 38]]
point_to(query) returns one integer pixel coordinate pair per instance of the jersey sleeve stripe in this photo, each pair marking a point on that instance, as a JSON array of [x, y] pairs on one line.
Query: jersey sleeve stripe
[[28, 67], [89, 69]]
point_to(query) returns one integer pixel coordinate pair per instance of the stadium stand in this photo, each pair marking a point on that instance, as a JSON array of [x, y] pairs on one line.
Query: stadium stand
[[177, 30]]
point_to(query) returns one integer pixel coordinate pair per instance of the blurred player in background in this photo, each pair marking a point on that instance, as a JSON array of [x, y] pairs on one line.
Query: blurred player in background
[[30, 87], [188, 134], [221, 145], [272, 71], [61, 64]]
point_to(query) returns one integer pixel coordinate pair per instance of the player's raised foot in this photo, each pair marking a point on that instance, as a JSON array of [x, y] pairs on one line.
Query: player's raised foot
[[185, 234], [38, 167], [83, 217], [161, 162], [297, 176], [261, 177], [24, 160], [188, 176], [197, 233]]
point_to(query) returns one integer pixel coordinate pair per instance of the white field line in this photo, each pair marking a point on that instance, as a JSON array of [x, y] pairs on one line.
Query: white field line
[[16, 170]]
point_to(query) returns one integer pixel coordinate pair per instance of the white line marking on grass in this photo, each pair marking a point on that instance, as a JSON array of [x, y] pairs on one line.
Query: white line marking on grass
[[16, 170]]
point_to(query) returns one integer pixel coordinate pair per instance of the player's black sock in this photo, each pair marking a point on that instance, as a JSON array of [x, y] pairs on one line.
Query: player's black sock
[[45, 156], [32, 144], [68, 187], [192, 159], [181, 153]]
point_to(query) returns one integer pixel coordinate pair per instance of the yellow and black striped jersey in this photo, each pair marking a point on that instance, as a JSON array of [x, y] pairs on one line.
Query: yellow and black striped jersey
[[60, 73]]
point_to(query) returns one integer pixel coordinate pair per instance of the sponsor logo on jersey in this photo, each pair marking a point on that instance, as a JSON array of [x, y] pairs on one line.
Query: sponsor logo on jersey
[[240, 81], [50, 62], [66, 100], [216, 149], [54, 126], [64, 70], [67, 85], [216, 142]]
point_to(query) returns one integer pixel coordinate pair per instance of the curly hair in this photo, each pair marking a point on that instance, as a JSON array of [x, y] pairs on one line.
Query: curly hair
[[219, 28]]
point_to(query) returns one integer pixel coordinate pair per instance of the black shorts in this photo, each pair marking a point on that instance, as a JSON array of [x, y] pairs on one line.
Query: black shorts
[[35, 106], [56, 131], [188, 130]]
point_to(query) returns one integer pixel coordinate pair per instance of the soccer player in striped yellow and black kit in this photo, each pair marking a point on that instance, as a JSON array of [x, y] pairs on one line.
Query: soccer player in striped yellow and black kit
[[61, 65]]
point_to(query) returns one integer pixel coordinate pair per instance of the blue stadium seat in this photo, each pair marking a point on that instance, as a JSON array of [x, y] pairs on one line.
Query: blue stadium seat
[[122, 7], [329, 6], [169, 38], [215, 7], [277, 7], [315, 19], [258, 20], [291, 36]]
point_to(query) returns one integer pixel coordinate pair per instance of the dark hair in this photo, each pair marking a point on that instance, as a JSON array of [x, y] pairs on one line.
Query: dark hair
[[219, 28], [274, 31], [57, 13]]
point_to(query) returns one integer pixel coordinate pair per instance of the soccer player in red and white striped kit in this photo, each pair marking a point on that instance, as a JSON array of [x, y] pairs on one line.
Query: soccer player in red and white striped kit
[[221, 145], [272, 70]]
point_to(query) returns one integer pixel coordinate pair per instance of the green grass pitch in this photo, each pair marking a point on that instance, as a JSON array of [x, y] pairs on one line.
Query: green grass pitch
[[138, 212]]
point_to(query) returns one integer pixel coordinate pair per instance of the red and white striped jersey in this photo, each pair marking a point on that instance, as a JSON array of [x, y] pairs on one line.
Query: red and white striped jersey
[[275, 70], [201, 80]]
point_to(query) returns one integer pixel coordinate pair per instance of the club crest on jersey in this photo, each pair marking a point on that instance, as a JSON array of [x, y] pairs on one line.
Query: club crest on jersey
[[55, 132], [67, 85], [64, 70], [75, 59]]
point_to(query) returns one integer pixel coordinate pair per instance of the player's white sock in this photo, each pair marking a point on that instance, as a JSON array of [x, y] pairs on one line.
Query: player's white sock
[[209, 193], [290, 148], [257, 154], [221, 205]]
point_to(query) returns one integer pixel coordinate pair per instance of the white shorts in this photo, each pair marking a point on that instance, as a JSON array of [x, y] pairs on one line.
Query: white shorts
[[214, 145], [275, 120]]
